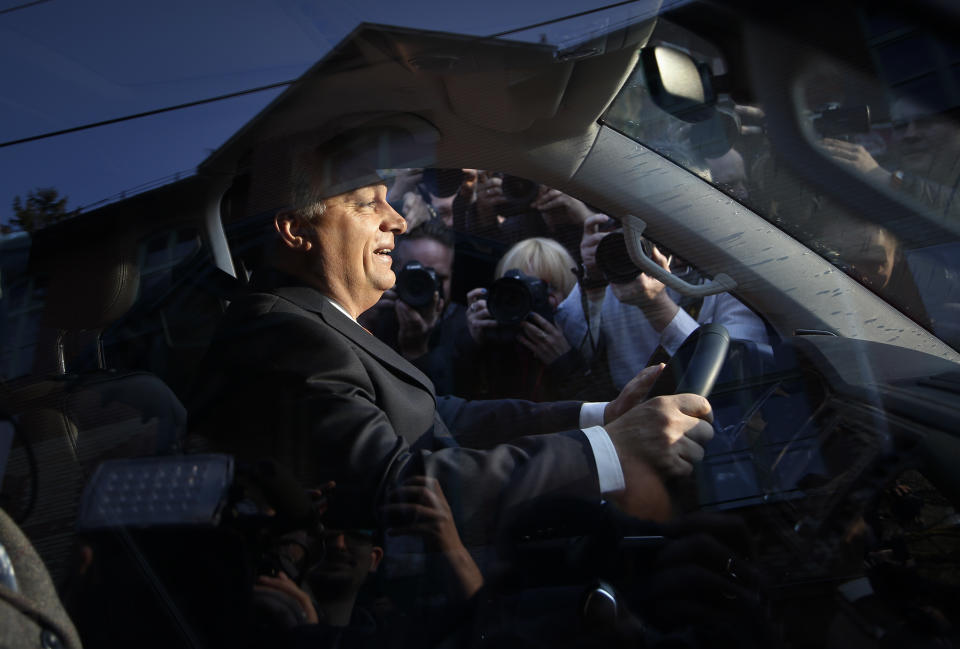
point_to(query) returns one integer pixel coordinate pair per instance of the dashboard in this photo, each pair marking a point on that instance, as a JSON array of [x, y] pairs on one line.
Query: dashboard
[[808, 448]]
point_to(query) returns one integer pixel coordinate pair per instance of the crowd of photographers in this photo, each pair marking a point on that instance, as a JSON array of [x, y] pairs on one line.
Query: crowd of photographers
[[510, 289]]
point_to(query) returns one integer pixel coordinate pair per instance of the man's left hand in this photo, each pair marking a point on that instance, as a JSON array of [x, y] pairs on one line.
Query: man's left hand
[[632, 393]]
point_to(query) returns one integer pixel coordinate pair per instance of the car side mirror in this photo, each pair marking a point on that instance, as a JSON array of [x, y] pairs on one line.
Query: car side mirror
[[678, 84]]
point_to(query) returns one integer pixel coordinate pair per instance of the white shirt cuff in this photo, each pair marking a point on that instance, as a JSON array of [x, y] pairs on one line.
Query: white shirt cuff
[[591, 413], [677, 331], [608, 462]]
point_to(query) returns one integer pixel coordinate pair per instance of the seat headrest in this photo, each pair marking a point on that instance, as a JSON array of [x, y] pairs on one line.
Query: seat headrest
[[91, 287]]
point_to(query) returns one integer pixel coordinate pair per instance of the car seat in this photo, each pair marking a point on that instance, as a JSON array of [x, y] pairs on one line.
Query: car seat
[[69, 421]]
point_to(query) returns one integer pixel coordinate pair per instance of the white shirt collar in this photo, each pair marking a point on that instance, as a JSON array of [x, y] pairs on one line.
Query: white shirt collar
[[339, 308]]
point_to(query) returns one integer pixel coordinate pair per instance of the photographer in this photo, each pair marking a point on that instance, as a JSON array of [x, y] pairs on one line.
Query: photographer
[[425, 194], [417, 317], [510, 209], [636, 316], [927, 144], [514, 349]]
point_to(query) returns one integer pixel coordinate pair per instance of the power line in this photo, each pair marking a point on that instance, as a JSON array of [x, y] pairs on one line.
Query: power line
[[560, 20], [26, 5], [148, 113], [136, 189], [280, 84]]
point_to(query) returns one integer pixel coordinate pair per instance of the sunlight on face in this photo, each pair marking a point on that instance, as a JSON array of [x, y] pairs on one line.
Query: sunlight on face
[[353, 239]]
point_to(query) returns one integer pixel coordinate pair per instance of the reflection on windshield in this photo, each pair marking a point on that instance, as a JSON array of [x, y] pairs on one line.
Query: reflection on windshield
[[902, 136]]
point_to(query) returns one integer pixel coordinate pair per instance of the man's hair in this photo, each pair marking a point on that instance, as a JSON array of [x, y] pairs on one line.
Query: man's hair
[[308, 203], [543, 258], [434, 229], [305, 194]]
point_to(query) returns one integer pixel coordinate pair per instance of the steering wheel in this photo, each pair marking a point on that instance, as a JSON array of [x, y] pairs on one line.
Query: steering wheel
[[697, 363]]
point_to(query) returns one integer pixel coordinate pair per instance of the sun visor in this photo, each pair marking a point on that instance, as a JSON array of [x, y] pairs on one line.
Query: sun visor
[[340, 157]]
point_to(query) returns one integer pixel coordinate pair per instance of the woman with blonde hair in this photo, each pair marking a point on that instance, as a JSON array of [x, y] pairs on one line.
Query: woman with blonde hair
[[535, 361], [543, 258]]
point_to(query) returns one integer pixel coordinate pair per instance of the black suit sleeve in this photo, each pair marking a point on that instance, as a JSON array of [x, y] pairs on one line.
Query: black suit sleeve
[[484, 424], [290, 387]]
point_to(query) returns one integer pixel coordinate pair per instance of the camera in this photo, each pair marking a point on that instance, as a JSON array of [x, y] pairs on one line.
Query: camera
[[515, 296], [614, 259], [837, 121], [417, 283], [519, 194], [442, 183]]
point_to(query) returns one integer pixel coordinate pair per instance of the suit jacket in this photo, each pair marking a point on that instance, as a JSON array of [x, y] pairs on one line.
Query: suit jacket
[[289, 376], [31, 614]]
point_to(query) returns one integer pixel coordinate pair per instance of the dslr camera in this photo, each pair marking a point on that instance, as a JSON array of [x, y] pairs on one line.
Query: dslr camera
[[417, 283], [840, 122], [614, 259], [512, 299], [442, 183], [519, 193]]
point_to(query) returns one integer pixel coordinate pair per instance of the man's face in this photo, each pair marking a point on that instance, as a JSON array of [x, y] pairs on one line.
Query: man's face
[[352, 243], [349, 556], [429, 253], [870, 252], [875, 259], [729, 174], [920, 136]]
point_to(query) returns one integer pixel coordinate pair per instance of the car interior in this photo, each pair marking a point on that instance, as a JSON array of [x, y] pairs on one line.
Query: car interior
[[836, 443]]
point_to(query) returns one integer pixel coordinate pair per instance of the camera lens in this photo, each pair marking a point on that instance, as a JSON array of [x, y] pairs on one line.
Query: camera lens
[[510, 301], [442, 182], [614, 260], [416, 284], [519, 190]]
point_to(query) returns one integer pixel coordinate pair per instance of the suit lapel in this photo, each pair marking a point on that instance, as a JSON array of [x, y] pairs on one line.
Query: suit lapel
[[311, 300]]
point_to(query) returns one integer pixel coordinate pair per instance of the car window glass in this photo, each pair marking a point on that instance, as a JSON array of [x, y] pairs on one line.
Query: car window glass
[[895, 125]]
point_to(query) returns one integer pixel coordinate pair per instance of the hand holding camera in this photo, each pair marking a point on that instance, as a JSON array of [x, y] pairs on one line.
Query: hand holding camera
[[406, 180], [489, 196], [649, 294], [418, 305], [558, 208], [543, 338], [479, 319], [595, 228]]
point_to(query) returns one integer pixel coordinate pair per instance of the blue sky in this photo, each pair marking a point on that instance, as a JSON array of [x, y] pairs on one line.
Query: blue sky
[[64, 64]]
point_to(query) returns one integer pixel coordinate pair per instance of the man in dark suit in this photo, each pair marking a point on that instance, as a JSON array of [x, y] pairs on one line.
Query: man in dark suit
[[291, 375]]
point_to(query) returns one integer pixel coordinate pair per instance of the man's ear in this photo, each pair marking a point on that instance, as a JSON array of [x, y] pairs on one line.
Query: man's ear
[[376, 556], [292, 232]]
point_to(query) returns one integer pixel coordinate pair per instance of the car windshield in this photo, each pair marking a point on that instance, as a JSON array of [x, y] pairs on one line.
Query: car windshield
[[412, 325], [889, 120]]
